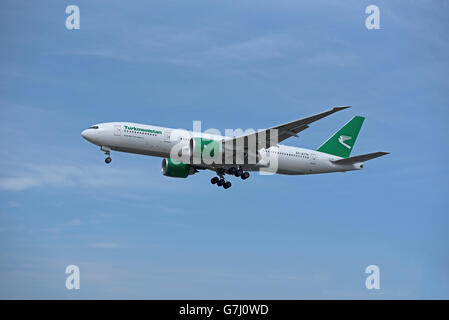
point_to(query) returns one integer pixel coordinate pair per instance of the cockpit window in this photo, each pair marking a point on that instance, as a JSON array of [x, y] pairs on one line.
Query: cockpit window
[[93, 127]]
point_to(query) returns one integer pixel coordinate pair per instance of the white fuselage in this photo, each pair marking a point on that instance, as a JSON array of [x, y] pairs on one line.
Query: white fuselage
[[159, 141]]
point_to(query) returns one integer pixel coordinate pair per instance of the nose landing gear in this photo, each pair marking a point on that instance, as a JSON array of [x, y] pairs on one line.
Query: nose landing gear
[[107, 152]]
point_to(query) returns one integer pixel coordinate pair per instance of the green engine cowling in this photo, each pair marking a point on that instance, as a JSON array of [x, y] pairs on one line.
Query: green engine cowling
[[176, 169], [205, 149]]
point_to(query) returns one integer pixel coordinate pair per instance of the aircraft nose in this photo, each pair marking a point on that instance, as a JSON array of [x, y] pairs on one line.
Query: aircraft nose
[[89, 135], [85, 134]]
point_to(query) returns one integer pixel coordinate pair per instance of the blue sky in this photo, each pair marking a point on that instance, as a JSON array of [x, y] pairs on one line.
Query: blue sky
[[237, 64]]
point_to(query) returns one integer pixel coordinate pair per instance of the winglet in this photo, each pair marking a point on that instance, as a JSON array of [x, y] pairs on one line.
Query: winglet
[[340, 108]]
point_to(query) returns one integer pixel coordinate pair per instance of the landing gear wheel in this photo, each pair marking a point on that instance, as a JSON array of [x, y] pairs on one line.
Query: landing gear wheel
[[245, 175], [214, 180], [220, 182], [108, 160], [239, 172], [232, 170], [227, 185]]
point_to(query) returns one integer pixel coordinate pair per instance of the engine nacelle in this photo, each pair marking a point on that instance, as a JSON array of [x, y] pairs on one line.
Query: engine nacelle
[[205, 150], [176, 169]]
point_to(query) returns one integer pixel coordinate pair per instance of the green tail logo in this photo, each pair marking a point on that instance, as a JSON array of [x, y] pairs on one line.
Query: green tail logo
[[342, 142]]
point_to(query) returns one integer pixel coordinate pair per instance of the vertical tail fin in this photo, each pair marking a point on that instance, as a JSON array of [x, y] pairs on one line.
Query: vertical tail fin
[[341, 143]]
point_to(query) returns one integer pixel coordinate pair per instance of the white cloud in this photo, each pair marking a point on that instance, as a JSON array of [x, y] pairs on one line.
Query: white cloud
[[255, 49], [18, 183], [197, 48], [32, 176]]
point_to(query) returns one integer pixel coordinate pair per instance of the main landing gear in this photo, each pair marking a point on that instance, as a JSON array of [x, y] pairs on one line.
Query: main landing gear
[[221, 182], [238, 172]]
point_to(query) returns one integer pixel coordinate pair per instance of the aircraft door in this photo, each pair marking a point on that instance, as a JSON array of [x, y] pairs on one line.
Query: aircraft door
[[117, 130], [166, 136], [312, 158]]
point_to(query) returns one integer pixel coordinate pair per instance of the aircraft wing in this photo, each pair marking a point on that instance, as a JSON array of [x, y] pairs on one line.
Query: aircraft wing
[[284, 131]]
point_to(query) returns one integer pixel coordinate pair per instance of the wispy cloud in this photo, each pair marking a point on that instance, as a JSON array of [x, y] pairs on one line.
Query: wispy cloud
[[60, 227], [68, 176], [18, 183], [336, 59], [13, 204], [200, 49], [262, 48], [43, 175], [74, 223], [194, 48]]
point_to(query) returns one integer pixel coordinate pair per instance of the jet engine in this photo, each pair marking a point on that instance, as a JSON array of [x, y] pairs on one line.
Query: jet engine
[[176, 169]]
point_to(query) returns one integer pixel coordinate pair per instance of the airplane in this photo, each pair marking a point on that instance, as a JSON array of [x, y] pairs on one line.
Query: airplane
[[184, 151]]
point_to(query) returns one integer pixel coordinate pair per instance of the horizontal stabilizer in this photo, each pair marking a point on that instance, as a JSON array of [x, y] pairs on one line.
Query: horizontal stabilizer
[[361, 158]]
